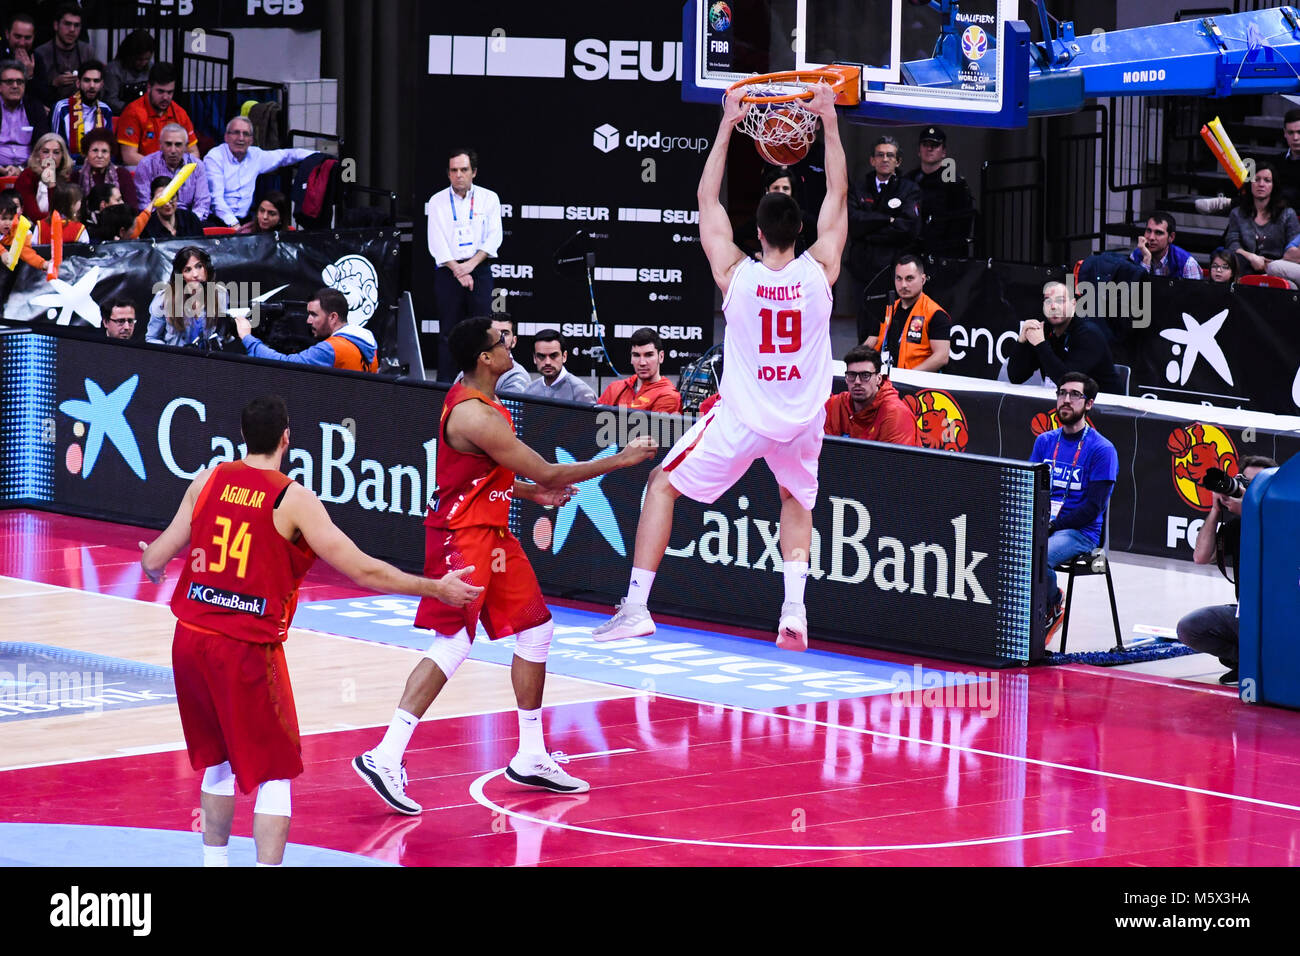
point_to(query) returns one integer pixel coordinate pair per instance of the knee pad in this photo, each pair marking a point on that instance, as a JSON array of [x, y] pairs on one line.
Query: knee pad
[[273, 798], [449, 652], [219, 780], [534, 644]]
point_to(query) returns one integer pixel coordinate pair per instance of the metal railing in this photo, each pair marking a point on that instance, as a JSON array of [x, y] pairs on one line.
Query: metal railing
[[1075, 174], [1012, 210]]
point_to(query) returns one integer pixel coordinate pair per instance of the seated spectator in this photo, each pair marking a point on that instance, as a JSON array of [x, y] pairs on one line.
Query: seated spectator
[[63, 57], [169, 221], [517, 379], [140, 126], [870, 408], [1084, 469], [117, 222], [65, 199], [120, 323], [549, 355], [169, 160], [342, 345], [925, 345], [127, 76], [99, 170], [48, 166], [23, 121], [645, 388], [20, 38], [178, 314], [1066, 344], [11, 207], [1261, 225], [1157, 254], [271, 215], [83, 112], [1223, 266], [233, 168], [1214, 629]]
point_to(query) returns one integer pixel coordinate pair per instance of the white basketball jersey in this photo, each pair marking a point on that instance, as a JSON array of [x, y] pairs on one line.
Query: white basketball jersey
[[777, 371]]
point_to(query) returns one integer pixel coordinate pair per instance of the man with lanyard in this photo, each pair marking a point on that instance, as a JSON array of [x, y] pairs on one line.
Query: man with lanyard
[[1084, 468], [915, 332], [464, 232]]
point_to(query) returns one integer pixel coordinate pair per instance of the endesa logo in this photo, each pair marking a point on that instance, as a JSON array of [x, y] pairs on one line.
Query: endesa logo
[[940, 419]]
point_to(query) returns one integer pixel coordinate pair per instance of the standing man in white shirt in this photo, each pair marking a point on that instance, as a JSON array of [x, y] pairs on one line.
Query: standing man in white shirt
[[464, 232], [233, 168]]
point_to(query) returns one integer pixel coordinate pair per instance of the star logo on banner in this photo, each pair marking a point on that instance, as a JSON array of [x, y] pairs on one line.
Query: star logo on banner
[[106, 416], [69, 299], [591, 501], [1197, 340]]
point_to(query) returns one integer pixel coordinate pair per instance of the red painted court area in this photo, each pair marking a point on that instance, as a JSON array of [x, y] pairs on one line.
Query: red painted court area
[[1058, 766]]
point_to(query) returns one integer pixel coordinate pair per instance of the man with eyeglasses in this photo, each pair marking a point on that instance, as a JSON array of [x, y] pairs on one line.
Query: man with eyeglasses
[[1084, 468], [1214, 629], [233, 168], [22, 119], [120, 323], [884, 222], [870, 408], [1064, 344]]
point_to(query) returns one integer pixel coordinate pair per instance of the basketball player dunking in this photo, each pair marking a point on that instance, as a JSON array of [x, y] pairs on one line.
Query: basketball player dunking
[[774, 385]]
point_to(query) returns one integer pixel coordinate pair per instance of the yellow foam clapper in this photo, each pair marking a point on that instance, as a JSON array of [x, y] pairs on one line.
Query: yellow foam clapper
[[22, 232], [168, 194], [1236, 168]]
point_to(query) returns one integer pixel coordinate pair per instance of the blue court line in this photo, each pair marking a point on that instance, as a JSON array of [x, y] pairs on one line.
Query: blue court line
[[698, 665], [39, 680]]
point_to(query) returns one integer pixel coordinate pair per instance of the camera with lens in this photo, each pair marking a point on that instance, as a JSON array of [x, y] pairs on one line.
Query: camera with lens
[[1220, 482]]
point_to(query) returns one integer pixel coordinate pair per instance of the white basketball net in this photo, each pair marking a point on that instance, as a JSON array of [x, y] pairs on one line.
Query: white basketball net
[[797, 124]]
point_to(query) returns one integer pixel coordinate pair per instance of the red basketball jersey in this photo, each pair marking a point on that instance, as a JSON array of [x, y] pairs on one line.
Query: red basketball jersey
[[472, 489], [241, 576]]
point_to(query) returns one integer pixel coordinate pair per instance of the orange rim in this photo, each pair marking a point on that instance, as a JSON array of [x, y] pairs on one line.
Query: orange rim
[[841, 78]]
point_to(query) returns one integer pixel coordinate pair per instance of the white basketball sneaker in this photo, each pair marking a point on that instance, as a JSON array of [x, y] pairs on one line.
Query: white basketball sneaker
[[386, 780], [792, 632], [542, 771], [631, 620]]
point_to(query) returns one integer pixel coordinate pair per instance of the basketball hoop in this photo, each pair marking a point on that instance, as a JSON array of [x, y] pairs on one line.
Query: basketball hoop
[[779, 121]]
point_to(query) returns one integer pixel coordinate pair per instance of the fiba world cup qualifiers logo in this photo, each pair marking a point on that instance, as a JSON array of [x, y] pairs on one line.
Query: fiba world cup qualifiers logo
[[974, 42], [719, 16]]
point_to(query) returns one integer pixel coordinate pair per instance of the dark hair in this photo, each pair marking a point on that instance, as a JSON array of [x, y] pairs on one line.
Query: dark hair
[[162, 73], [101, 135], [860, 353], [1258, 461], [97, 198], [157, 183], [63, 197], [1089, 386], [92, 65], [112, 220], [121, 302], [277, 199], [133, 44], [648, 336], [10, 201], [1291, 116], [63, 9], [263, 422], [467, 339], [6, 65], [175, 310], [772, 173], [907, 259], [1227, 258], [464, 151], [549, 335], [779, 220], [503, 317], [1276, 201], [332, 300], [886, 141], [1159, 215], [20, 17]]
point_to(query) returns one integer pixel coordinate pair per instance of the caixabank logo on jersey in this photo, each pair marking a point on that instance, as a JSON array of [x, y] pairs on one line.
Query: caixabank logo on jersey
[[940, 419]]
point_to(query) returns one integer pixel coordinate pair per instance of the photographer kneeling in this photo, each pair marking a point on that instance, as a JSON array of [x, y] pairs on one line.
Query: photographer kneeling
[[1213, 629]]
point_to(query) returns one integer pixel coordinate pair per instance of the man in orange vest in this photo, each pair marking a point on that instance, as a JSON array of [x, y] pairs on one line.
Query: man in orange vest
[[343, 346], [915, 332]]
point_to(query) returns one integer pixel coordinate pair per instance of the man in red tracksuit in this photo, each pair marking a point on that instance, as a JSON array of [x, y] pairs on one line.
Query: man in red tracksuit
[[645, 390], [870, 409]]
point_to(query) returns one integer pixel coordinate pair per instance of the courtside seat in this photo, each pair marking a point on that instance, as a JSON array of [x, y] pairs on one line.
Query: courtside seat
[[1096, 561]]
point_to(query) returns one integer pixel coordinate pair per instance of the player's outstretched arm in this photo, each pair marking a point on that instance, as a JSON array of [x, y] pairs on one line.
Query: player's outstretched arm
[[496, 439], [177, 534], [715, 225], [310, 517], [833, 218]]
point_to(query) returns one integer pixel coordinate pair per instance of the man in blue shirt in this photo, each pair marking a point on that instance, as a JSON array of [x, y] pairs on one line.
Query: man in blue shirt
[[341, 345], [1084, 469]]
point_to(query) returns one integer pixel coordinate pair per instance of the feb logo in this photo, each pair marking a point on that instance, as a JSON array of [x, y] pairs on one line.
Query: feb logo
[[719, 16], [1196, 449], [974, 42], [940, 419]]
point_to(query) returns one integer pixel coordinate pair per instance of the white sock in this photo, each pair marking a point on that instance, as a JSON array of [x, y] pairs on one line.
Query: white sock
[[216, 855], [393, 746], [530, 732], [796, 574], [638, 589], [260, 863]]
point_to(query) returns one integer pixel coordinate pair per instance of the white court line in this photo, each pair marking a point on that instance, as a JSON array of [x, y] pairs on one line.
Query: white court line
[[476, 791]]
